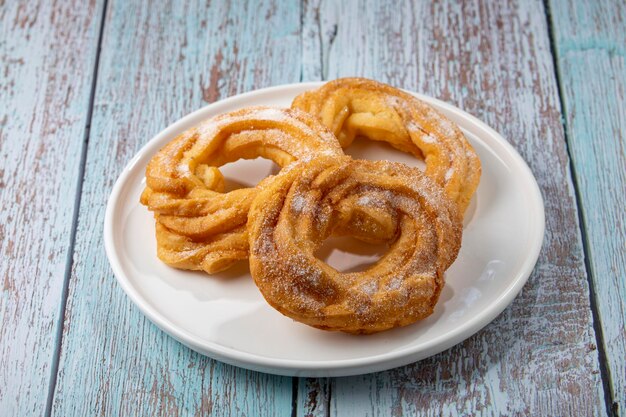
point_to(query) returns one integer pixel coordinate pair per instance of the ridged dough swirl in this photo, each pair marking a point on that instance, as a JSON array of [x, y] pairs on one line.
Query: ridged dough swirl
[[353, 107], [199, 226], [310, 201]]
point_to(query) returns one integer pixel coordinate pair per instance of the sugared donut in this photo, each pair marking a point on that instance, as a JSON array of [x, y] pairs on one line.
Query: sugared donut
[[353, 107], [199, 226], [310, 201]]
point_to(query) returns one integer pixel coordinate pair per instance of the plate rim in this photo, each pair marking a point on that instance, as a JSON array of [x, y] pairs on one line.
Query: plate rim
[[338, 367]]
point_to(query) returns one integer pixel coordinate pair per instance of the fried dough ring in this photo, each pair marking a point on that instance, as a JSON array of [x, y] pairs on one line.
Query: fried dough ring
[[353, 107], [308, 202], [199, 227]]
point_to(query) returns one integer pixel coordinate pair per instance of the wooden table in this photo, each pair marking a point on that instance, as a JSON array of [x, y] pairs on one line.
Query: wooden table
[[83, 85]]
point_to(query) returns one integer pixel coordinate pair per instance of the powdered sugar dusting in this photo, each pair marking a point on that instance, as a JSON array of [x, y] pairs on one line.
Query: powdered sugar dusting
[[370, 287], [413, 127], [213, 126], [296, 276], [447, 127], [273, 114], [209, 128], [183, 168], [394, 284], [298, 203], [393, 101]]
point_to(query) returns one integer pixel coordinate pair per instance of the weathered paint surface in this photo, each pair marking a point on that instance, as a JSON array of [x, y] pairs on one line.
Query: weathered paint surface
[[313, 399], [44, 100], [492, 59], [590, 42], [160, 61]]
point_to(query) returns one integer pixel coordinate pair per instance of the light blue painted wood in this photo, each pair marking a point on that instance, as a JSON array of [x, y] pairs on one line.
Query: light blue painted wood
[[159, 61], [590, 41], [492, 59], [44, 97], [313, 398], [312, 55]]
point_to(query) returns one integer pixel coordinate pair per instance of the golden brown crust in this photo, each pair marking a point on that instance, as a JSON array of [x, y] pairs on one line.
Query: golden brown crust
[[320, 192], [310, 201], [353, 107], [200, 227]]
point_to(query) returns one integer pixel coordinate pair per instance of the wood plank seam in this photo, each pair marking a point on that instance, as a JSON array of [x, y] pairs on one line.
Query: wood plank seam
[[611, 404], [331, 39], [329, 397], [294, 396], [302, 5], [56, 355]]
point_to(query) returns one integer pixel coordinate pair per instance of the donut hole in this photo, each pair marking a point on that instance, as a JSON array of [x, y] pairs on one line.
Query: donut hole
[[364, 148], [347, 254], [247, 173]]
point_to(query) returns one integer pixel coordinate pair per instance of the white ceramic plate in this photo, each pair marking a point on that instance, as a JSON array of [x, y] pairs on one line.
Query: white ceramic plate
[[225, 316]]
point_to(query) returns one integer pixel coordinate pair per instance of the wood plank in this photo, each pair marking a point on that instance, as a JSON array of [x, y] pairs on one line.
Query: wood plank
[[44, 97], [159, 61], [590, 42], [492, 59]]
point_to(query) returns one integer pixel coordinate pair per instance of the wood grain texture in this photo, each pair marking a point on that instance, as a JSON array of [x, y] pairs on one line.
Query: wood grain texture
[[44, 94], [159, 61], [590, 43], [313, 398], [492, 59], [312, 54]]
